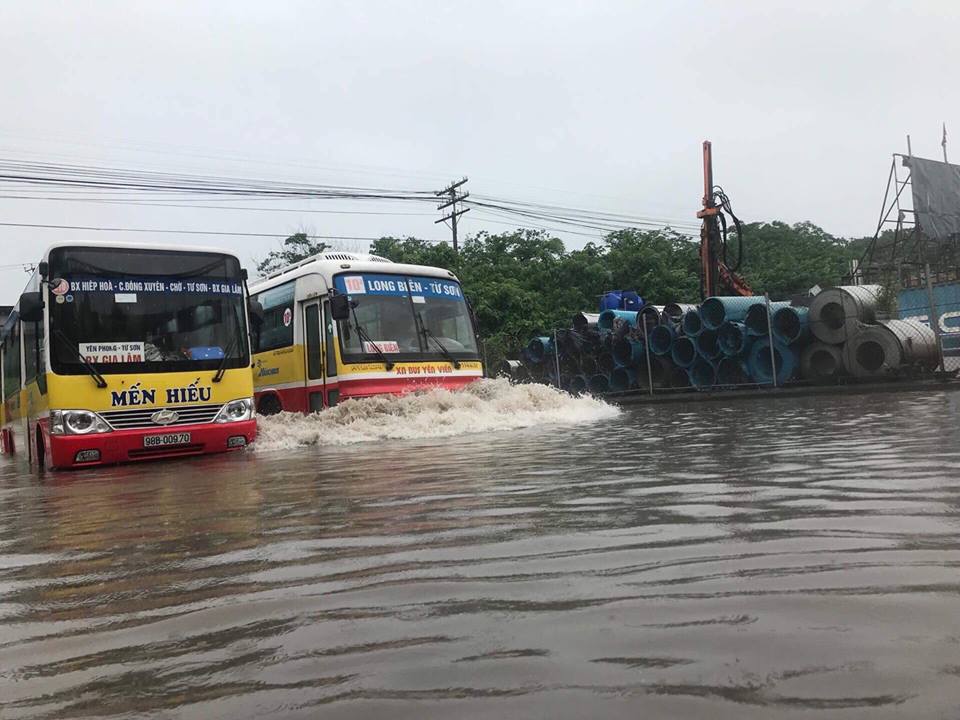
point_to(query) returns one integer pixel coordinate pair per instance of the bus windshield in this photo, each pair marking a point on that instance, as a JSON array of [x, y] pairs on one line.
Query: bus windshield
[[132, 310], [406, 317]]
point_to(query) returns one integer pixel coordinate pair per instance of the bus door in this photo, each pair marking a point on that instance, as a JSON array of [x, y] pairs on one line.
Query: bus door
[[313, 347]]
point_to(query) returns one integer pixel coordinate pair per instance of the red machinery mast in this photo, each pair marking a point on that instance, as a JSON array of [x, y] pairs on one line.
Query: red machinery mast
[[716, 278]]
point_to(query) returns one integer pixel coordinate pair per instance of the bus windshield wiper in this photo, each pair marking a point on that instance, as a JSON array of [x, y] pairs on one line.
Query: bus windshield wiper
[[366, 338], [428, 334], [234, 341], [97, 377]]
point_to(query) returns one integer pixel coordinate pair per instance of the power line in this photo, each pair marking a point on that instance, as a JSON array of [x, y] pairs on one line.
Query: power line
[[455, 198]]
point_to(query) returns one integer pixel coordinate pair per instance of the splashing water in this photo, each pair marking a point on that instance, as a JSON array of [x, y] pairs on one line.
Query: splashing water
[[482, 406]]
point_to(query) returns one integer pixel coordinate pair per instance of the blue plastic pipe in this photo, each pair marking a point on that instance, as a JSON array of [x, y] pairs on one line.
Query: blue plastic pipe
[[717, 310], [790, 324], [622, 378], [598, 384], [692, 324], [683, 352], [627, 351], [538, 349], [661, 338], [707, 344], [732, 371], [732, 338], [758, 362], [578, 385], [703, 374], [756, 318], [608, 318]]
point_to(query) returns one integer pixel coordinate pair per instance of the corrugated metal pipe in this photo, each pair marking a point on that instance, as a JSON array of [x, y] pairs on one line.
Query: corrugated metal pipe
[[703, 373], [836, 313], [585, 321], [692, 323], [732, 371], [627, 351], [538, 349], [683, 352], [715, 311], [623, 378], [759, 362], [790, 324], [756, 318], [661, 338], [707, 344], [673, 312], [732, 338]]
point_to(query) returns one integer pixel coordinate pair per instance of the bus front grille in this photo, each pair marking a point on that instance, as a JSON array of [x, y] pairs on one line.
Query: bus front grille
[[141, 419]]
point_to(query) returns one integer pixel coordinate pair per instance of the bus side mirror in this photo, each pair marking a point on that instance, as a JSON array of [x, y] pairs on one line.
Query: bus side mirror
[[31, 307], [340, 307], [44, 269], [255, 311]]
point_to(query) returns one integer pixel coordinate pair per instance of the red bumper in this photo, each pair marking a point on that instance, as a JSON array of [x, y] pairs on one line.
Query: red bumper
[[365, 387], [122, 446]]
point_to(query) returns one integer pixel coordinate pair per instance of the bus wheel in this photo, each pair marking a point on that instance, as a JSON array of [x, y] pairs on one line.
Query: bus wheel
[[41, 451], [269, 405]]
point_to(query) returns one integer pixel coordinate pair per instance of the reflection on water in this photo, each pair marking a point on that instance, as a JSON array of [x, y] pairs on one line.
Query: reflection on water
[[795, 558]]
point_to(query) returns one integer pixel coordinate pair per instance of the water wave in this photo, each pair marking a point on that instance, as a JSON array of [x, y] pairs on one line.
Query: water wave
[[482, 406]]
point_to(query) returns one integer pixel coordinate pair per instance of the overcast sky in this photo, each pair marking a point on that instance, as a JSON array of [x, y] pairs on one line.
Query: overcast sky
[[592, 104]]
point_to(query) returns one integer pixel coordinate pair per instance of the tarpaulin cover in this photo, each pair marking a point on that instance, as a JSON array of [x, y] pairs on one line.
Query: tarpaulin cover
[[936, 196]]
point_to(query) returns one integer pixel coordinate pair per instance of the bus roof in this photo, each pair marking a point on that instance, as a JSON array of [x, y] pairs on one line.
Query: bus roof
[[123, 245], [332, 262]]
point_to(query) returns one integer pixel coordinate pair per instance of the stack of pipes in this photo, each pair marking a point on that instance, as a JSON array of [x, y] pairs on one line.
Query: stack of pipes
[[725, 342]]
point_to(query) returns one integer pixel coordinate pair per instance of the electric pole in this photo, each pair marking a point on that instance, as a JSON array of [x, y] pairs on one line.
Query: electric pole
[[453, 199]]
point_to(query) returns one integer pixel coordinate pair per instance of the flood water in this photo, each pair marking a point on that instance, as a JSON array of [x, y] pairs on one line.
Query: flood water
[[513, 554]]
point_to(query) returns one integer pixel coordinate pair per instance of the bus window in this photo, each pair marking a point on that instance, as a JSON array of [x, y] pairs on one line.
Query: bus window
[[32, 351], [11, 362], [331, 347], [276, 331]]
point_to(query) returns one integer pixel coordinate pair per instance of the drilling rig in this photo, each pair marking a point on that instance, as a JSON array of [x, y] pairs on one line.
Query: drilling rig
[[717, 276]]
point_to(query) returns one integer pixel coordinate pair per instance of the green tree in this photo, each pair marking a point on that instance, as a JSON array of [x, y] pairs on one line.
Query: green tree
[[298, 246]]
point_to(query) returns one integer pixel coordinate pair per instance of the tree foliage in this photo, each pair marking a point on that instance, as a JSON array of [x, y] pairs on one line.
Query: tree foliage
[[526, 283], [293, 249]]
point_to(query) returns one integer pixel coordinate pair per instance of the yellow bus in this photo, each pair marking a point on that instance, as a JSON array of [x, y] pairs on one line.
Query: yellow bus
[[340, 325], [121, 352]]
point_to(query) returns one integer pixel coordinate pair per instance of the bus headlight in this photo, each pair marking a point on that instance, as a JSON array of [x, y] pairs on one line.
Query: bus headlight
[[235, 411], [77, 422]]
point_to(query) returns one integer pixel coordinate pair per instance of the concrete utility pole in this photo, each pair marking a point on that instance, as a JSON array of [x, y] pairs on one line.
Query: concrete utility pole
[[454, 213]]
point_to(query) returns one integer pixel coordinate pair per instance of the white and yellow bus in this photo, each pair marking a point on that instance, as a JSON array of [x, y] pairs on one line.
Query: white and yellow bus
[[120, 352], [340, 325]]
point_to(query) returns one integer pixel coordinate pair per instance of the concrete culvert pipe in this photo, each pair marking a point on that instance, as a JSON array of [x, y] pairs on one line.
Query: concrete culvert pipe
[[683, 352], [578, 385], [760, 364], [627, 352], [661, 338], [820, 362], [715, 311], [707, 344], [878, 350], [673, 312], [732, 338], [756, 318], [622, 378], [790, 324], [598, 384], [703, 374], [732, 371], [692, 323], [836, 313]]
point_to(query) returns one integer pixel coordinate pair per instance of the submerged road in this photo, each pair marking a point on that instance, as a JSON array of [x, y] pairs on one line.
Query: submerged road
[[793, 559]]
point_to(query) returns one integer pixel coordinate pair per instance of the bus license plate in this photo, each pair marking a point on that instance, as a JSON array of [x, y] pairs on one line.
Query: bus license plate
[[163, 440]]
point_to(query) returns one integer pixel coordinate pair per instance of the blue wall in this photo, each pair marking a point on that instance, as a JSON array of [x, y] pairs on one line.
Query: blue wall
[[915, 306]]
